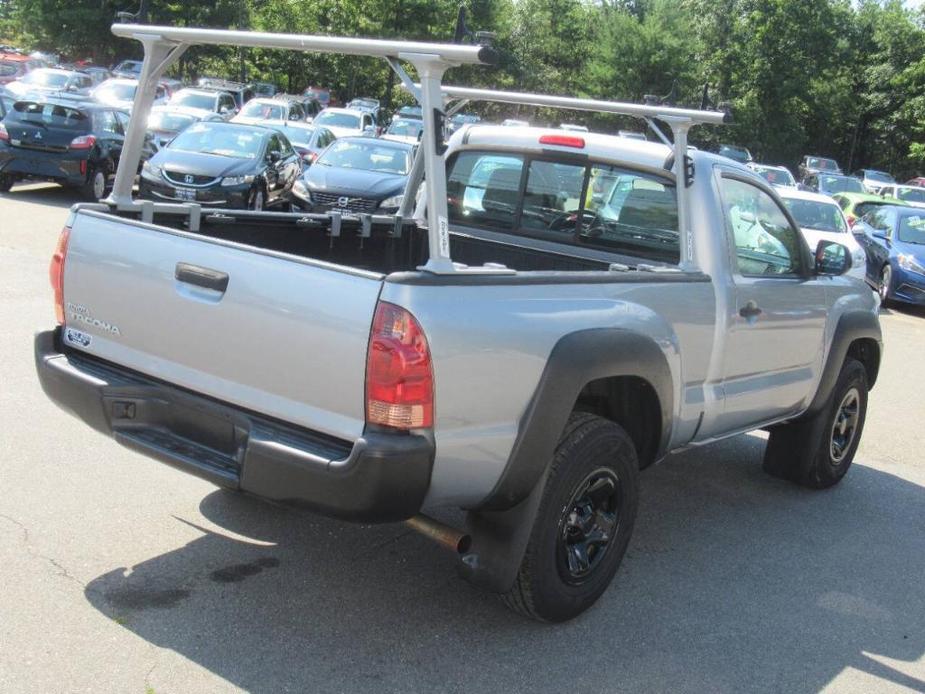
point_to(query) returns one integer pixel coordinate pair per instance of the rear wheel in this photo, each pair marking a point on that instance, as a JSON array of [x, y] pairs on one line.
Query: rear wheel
[[94, 188], [817, 451], [6, 182], [583, 524]]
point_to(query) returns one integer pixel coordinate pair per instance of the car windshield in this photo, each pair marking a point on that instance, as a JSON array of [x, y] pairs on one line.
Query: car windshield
[[813, 214], [862, 208], [339, 120], [406, 127], [822, 164], [911, 194], [300, 137], [733, 152], [129, 66], [912, 229], [169, 122], [116, 91], [413, 112], [223, 140], [263, 110], [840, 184], [46, 78], [48, 114], [367, 156], [879, 176], [777, 177], [194, 100]]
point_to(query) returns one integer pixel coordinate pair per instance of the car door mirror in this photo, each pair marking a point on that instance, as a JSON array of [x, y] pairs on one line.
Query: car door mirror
[[832, 258], [225, 110], [273, 157], [369, 130]]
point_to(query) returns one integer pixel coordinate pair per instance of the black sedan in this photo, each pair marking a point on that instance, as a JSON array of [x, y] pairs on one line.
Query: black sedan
[[74, 144], [225, 165], [356, 174]]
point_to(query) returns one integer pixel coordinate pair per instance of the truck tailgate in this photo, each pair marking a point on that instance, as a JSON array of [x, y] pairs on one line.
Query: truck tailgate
[[286, 337]]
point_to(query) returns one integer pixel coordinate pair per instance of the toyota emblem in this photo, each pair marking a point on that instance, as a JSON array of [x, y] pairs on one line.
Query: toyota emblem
[[343, 201], [188, 178]]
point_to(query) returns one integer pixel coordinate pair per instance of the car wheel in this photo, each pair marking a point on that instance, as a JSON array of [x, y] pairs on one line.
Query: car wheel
[[94, 188], [817, 451], [583, 524], [257, 201], [886, 280], [6, 182]]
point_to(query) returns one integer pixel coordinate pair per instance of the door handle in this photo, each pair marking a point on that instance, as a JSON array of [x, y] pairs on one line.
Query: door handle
[[750, 310], [201, 276]]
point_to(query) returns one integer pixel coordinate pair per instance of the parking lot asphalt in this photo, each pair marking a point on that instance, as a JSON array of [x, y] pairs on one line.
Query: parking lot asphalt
[[118, 574]]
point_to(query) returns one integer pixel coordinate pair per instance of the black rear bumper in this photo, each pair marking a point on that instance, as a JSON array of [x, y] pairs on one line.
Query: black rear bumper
[[380, 477]]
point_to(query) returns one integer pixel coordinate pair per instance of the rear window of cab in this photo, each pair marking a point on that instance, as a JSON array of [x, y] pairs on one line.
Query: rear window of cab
[[576, 202]]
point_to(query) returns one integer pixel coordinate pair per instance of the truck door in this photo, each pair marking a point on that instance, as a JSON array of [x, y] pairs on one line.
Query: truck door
[[774, 346]]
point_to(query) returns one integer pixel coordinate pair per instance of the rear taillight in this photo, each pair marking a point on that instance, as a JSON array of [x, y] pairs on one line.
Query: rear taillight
[[83, 142], [56, 273], [399, 377], [4, 135]]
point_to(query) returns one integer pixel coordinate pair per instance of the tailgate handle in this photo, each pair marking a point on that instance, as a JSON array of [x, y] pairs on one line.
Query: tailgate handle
[[202, 276]]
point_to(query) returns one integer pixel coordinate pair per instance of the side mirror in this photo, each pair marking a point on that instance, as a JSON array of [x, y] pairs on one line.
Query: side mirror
[[832, 258], [225, 110], [370, 130], [273, 157]]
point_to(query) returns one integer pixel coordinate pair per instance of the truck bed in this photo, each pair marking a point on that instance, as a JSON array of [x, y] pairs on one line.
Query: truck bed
[[389, 247]]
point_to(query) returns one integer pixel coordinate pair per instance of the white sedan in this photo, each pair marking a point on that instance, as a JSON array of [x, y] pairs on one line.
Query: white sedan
[[821, 219]]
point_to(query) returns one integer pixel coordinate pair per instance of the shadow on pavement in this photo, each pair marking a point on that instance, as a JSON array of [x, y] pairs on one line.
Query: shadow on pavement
[[733, 581]]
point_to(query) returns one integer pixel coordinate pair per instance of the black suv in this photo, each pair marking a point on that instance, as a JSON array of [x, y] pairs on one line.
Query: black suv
[[72, 143]]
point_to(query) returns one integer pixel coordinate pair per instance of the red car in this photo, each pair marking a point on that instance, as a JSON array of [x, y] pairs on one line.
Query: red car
[[917, 181], [13, 66]]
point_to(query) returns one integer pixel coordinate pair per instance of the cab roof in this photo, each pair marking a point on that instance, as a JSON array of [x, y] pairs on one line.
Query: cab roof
[[596, 145]]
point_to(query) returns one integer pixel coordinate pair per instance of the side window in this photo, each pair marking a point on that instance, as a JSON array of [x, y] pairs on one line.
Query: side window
[[106, 122], [483, 189], [765, 242], [631, 213], [552, 196], [273, 145], [226, 102], [117, 126], [284, 147], [295, 112], [877, 219], [843, 202], [123, 120]]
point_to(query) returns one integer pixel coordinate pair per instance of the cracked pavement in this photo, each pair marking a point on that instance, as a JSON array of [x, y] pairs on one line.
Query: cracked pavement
[[122, 575]]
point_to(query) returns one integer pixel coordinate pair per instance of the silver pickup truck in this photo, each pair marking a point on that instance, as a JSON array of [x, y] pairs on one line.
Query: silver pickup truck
[[567, 309]]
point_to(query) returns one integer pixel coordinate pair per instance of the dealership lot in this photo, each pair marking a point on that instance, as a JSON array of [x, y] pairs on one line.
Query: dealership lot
[[123, 575]]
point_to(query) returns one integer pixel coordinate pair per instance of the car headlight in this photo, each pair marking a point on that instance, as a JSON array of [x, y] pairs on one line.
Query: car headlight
[[393, 201], [300, 190], [908, 262], [149, 170], [237, 180]]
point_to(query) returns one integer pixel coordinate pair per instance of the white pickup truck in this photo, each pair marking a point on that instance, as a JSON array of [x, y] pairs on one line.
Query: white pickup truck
[[575, 307]]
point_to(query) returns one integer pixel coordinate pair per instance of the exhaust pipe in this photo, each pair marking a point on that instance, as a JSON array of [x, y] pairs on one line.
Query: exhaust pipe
[[452, 538]]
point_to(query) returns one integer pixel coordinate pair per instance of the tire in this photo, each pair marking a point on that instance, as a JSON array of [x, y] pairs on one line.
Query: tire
[[6, 183], [94, 188], [886, 280], [257, 200], [594, 476], [816, 451]]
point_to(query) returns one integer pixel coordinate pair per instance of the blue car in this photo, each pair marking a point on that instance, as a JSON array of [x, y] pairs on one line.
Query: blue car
[[893, 238]]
